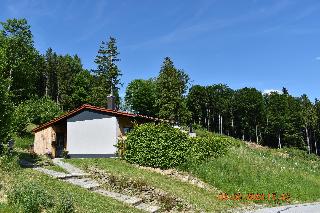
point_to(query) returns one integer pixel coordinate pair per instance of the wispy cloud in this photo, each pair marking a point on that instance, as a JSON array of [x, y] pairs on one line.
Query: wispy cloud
[[318, 58], [197, 24], [29, 8], [268, 91]]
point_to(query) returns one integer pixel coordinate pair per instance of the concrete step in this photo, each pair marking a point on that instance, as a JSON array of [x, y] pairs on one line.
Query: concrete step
[[59, 175], [120, 197], [52, 173], [148, 208], [69, 168], [78, 177], [86, 183], [134, 201]]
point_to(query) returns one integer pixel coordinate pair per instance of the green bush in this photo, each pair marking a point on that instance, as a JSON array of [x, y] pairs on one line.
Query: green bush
[[30, 197], [166, 147], [203, 148], [156, 146], [121, 147], [34, 111]]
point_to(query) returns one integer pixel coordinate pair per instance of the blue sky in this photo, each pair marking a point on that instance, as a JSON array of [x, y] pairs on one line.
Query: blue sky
[[265, 44]]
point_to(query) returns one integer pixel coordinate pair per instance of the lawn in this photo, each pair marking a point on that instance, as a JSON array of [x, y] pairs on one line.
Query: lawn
[[198, 197], [262, 170], [243, 169], [84, 200]]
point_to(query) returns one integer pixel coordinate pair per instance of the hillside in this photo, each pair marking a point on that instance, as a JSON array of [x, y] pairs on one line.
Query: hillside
[[249, 168], [283, 176], [245, 168]]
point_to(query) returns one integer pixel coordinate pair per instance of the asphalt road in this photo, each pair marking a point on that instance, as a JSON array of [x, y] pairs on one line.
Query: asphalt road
[[298, 208]]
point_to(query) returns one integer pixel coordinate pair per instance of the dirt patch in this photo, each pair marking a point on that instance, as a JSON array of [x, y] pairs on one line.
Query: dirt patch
[[282, 154], [182, 176], [255, 146], [3, 197]]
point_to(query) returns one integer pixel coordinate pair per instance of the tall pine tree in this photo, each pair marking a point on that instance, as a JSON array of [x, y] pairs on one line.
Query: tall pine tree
[[107, 74], [171, 85]]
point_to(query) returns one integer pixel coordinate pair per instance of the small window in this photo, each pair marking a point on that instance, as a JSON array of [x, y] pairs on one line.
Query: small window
[[126, 130]]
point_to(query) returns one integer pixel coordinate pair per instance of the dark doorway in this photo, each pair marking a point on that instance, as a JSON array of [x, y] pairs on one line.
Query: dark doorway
[[59, 145]]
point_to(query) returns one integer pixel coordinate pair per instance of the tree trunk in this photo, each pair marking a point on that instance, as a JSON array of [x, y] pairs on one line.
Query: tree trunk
[[47, 83], [232, 127], [221, 125], [10, 77], [57, 100], [308, 140], [257, 138], [315, 142], [243, 136], [208, 120], [279, 141]]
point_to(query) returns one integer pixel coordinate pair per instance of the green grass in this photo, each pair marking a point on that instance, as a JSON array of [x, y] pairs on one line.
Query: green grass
[[243, 169], [199, 198], [23, 142], [4, 208], [262, 170], [84, 200]]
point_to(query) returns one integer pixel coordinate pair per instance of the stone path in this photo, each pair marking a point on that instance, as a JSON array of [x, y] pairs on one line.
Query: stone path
[[78, 177], [55, 174], [69, 168]]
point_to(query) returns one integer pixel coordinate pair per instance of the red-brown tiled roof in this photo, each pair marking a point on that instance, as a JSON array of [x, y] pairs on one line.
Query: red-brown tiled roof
[[94, 108]]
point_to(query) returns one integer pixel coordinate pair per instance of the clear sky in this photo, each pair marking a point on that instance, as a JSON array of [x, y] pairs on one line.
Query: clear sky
[[265, 44]]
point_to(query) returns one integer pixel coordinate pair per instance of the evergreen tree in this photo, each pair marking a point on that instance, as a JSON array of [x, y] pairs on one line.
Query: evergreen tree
[[107, 73], [171, 85], [51, 74]]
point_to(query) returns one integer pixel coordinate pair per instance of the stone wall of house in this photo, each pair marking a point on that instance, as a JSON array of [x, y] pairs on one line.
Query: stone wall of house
[[43, 141]]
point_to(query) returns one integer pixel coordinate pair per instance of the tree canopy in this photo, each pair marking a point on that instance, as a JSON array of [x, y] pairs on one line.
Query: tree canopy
[[29, 80]]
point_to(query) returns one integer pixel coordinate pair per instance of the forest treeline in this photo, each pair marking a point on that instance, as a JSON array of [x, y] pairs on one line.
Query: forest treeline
[[36, 87]]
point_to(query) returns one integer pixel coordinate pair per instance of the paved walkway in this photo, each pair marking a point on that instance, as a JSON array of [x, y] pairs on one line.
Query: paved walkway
[[298, 208], [78, 177]]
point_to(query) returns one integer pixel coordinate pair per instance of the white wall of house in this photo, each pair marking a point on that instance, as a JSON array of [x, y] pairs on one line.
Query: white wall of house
[[91, 133]]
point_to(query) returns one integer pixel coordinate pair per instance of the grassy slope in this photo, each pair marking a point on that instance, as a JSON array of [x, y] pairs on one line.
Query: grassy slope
[[200, 198], [243, 169], [84, 200], [261, 170]]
